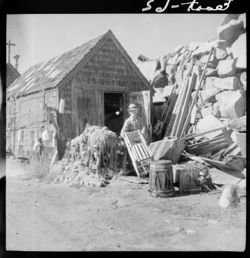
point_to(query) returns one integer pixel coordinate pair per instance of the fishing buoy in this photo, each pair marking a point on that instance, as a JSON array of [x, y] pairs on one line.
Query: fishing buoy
[[62, 106]]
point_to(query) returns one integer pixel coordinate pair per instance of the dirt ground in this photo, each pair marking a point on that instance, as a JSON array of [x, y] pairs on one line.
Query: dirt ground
[[121, 216]]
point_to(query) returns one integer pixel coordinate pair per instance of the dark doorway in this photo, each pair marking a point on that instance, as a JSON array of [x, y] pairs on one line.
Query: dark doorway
[[113, 111]]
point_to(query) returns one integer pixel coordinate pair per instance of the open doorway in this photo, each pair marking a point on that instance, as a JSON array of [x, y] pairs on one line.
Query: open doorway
[[114, 111]]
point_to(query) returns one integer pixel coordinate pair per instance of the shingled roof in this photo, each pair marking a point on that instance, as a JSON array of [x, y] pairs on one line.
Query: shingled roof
[[50, 73]]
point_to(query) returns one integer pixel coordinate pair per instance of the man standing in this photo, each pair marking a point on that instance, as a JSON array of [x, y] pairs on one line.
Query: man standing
[[133, 123]]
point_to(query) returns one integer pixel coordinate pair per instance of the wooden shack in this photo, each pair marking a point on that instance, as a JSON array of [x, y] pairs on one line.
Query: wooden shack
[[96, 81]]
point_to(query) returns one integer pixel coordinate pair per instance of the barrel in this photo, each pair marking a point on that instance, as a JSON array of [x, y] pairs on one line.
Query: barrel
[[161, 178]]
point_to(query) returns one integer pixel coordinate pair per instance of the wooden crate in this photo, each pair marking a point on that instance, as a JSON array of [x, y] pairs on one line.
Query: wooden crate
[[186, 183]]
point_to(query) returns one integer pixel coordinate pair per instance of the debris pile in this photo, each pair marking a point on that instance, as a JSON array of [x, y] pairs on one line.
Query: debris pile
[[210, 85], [206, 109], [90, 158]]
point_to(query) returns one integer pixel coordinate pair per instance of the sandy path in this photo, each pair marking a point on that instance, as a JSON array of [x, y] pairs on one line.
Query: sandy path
[[121, 216]]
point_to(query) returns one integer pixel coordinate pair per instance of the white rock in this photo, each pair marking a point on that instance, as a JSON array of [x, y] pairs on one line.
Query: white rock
[[230, 31], [203, 59], [207, 111], [238, 50], [209, 82], [216, 110], [211, 72], [206, 47], [229, 17], [209, 123], [228, 83], [226, 67], [220, 54], [207, 95], [243, 19], [232, 104], [243, 79], [172, 60]]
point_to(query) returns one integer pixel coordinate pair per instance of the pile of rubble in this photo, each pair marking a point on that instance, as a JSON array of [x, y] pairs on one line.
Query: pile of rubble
[[206, 107], [90, 159], [208, 86]]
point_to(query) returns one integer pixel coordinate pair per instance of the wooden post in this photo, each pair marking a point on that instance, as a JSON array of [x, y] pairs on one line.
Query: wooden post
[[194, 100], [184, 109]]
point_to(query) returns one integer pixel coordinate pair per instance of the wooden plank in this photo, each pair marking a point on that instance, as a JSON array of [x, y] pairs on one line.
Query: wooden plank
[[173, 99], [131, 154], [221, 165], [188, 137], [184, 109], [179, 105], [133, 179], [197, 91], [175, 113], [205, 142]]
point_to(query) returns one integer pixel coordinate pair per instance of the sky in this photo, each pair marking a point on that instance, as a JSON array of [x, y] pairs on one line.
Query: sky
[[39, 37]]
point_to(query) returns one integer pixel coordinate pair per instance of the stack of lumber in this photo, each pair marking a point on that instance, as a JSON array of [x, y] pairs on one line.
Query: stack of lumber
[[208, 146], [182, 111]]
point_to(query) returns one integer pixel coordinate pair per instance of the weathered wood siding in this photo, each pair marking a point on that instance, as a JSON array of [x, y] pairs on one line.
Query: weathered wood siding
[[89, 109], [108, 69], [66, 119], [27, 112]]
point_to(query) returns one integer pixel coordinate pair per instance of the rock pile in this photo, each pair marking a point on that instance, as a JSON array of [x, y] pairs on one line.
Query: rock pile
[[206, 109], [222, 95]]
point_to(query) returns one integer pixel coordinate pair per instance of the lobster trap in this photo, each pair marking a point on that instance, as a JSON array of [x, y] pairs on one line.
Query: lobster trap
[[138, 152]]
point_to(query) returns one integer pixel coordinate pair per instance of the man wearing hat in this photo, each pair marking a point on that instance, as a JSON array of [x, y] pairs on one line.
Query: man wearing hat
[[133, 123]]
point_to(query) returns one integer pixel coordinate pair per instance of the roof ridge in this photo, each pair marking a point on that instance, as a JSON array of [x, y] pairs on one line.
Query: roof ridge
[[44, 65]]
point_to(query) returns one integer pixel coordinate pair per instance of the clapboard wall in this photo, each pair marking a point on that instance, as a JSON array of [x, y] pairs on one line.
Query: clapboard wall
[[27, 112]]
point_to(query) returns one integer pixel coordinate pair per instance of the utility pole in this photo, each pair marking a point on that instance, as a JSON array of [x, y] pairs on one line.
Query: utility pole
[[9, 44]]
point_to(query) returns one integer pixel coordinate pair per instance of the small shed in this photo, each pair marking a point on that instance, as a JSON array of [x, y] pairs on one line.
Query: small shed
[[96, 82]]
